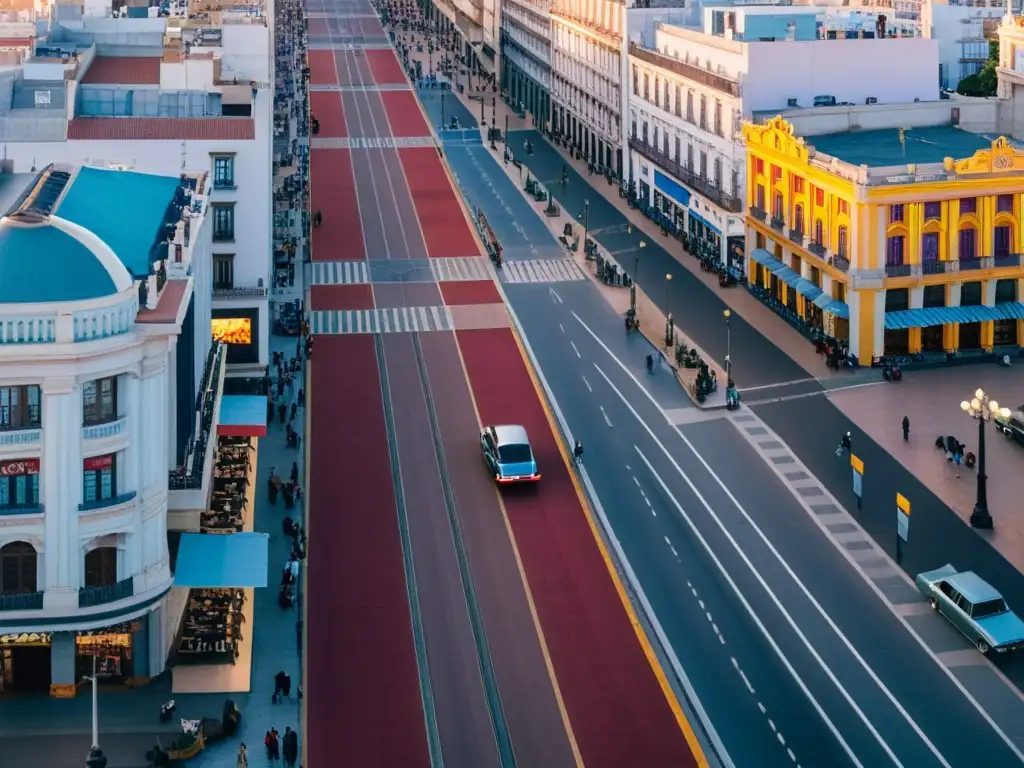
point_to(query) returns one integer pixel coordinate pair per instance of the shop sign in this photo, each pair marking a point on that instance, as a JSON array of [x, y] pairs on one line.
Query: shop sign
[[26, 638], [99, 462], [19, 467]]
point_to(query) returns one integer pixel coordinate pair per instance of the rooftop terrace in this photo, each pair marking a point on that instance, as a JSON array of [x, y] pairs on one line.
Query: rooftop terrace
[[882, 148]]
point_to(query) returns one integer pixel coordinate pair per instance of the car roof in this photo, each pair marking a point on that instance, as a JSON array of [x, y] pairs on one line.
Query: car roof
[[973, 587], [510, 434]]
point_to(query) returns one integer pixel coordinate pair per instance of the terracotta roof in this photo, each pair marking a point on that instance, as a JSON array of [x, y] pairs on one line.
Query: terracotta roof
[[15, 42], [167, 307], [123, 70], [157, 128]]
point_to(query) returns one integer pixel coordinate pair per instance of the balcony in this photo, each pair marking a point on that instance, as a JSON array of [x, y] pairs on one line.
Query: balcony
[[968, 265], [699, 184], [839, 262], [222, 291], [27, 509], [89, 597], [113, 501], [817, 249], [189, 476], [778, 223], [797, 236], [26, 601], [692, 72], [758, 213], [101, 431], [898, 270], [20, 436], [1006, 260], [938, 267]]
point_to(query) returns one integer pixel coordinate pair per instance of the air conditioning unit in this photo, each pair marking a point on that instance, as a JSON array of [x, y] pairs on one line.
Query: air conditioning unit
[[792, 103], [871, 100]]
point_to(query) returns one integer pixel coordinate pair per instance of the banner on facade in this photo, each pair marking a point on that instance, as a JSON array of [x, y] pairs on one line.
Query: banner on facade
[[19, 467], [99, 462]]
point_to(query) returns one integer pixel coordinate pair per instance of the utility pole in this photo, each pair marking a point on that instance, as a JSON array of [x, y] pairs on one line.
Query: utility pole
[[95, 758]]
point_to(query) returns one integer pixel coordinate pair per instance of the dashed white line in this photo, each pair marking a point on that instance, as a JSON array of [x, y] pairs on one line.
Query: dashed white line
[[606, 419], [791, 755], [592, 389], [668, 541], [708, 615], [561, 328], [674, 553], [771, 724], [762, 708], [636, 481], [782, 741], [648, 502], [573, 345], [556, 296], [701, 604]]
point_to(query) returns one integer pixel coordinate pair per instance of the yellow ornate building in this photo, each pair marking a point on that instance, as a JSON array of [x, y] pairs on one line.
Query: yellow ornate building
[[884, 240]]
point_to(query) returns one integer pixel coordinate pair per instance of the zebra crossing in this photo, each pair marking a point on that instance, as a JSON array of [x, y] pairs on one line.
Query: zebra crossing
[[370, 142], [453, 270], [393, 320], [339, 273], [541, 271]]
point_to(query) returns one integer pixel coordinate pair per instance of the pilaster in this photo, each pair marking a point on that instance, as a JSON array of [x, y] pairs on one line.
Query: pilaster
[[61, 476]]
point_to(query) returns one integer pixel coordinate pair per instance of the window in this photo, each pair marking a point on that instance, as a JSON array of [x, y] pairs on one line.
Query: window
[[1006, 291], [776, 173], [19, 483], [679, 101], [17, 568], [666, 96], [636, 80], [819, 197], [895, 214], [655, 142], [843, 207], [798, 218], [689, 158], [1004, 204], [664, 138], [689, 106], [633, 129], [819, 232], [703, 165], [894, 247], [644, 135], [1001, 241], [968, 243], [968, 205], [718, 118], [657, 91], [777, 206], [718, 173], [101, 567], [99, 401], [759, 197], [841, 246], [934, 296], [100, 478], [223, 271], [20, 408], [703, 112], [932, 211], [223, 222], [930, 246], [679, 148], [798, 185], [647, 87], [224, 172], [970, 294]]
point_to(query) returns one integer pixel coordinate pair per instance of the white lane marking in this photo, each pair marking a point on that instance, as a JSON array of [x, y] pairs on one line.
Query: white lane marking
[[573, 345], [606, 419], [648, 502], [620, 555], [561, 328], [636, 481], [668, 541], [753, 616], [791, 755], [556, 296], [762, 707], [803, 588], [780, 384], [676, 554], [771, 724], [590, 388]]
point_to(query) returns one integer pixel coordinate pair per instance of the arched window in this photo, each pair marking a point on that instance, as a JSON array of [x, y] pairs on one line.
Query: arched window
[[798, 218], [968, 243], [17, 568], [819, 232], [101, 567], [777, 206], [841, 244]]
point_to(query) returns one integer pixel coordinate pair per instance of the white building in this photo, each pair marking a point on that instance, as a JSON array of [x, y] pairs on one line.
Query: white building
[[963, 30], [690, 90], [104, 345], [526, 55], [159, 95], [588, 69]]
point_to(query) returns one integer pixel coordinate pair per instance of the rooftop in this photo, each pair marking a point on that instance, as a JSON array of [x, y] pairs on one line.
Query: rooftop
[[161, 128], [123, 70], [882, 148]]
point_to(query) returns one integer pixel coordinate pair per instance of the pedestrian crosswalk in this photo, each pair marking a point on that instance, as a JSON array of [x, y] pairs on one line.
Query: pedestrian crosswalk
[[471, 268], [393, 320], [541, 271], [339, 273], [370, 142]]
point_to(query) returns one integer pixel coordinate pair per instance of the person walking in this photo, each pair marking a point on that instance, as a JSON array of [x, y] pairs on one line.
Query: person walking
[[295, 470], [279, 683], [291, 747], [577, 452], [243, 757], [906, 428]]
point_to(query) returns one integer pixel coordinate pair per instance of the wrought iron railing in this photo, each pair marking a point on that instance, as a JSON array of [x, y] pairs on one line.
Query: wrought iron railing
[[190, 475], [692, 72], [22, 601], [109, 593], [699, 184], [898, 270], [1006, 260], [112, 501], [758, 213]]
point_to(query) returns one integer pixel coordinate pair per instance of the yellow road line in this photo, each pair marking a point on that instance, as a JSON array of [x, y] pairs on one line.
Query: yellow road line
[[645, 643], [549, 665]]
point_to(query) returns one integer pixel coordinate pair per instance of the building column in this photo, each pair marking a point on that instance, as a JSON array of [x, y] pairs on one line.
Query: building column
[[140, 651], [62, 490], [951, 331], [153, 504], [62, 665]]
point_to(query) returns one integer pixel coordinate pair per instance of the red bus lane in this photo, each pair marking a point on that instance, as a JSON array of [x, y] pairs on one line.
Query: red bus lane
[[362, 700], [619, 713]]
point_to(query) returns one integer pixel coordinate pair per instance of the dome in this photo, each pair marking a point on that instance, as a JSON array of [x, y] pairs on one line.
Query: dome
[[46, 259]]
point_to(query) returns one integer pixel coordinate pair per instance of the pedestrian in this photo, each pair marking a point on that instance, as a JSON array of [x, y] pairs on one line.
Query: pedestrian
[[279, 680], [301, 398], [577, 452], [295, 409], [287, 686], [906, 428], [650, 363], [243, 757], [295, 470], [291, 747], [282, 412], [268, 740], [298, 635]]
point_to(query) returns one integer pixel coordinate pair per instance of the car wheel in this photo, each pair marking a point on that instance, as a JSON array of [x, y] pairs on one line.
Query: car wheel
[[934, 603], [983, 647]]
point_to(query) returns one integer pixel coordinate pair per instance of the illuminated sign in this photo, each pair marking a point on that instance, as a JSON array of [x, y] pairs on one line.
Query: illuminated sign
[[232, 330]]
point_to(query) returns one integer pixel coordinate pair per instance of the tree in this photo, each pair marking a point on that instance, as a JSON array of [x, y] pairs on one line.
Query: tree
[[985, 82]]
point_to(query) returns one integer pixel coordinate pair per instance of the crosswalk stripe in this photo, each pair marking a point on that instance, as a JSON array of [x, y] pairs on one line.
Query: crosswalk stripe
[[387, 320], [541, 271]]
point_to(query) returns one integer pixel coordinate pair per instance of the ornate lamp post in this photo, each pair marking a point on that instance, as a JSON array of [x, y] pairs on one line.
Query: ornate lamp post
[[670, 326], [983, 409], [728, 347], [95, 758]]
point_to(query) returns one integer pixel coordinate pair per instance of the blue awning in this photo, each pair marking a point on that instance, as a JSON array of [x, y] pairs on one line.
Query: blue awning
[[823, 300], [705, 222], [837, 308], [671, 188], [243, 416], [801, 285], [228, 560], [765, 259], [925, 317]]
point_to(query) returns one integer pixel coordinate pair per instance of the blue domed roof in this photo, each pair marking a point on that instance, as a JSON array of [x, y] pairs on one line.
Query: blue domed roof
[[48, 259]]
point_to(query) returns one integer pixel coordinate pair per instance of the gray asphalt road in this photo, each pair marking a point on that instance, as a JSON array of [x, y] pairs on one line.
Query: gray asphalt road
[[760, 610]]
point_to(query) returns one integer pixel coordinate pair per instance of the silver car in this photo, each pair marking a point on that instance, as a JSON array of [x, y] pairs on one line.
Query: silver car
[[974, 607], [508, 455]]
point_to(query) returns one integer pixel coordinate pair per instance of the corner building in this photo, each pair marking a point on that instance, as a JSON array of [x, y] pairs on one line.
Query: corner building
[[882, 239], [99, 269]]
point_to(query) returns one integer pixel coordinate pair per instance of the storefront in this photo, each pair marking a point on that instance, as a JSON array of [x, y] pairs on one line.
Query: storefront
[[670, 201], [112, 647], [705, 238], [19, 484], [239, 329]]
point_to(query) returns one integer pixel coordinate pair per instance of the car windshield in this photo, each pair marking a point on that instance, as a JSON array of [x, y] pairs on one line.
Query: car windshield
[[988, 608], [514, 453]]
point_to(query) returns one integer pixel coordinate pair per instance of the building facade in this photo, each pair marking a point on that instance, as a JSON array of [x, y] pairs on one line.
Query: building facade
[[98, 293], [588, 63], [876, 239], [186, 94], [526, 56]]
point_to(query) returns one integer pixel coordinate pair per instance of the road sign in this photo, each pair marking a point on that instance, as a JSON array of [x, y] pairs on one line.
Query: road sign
[[902, 516], [858, 478]]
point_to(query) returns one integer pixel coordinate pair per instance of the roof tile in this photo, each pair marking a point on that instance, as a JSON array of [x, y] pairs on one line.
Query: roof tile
[[161, 128], [123, 70]]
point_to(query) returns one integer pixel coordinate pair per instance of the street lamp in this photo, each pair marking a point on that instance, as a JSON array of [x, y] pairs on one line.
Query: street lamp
[[636, 271], [586, 224], [95, 758], [983, 409], [728, 347], [670, 329]]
